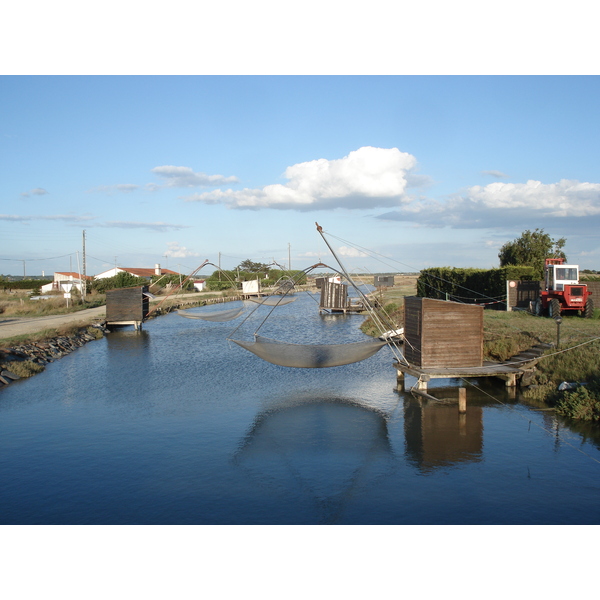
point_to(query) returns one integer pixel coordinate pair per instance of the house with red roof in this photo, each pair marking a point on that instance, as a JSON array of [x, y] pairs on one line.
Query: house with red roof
[[137, 271], [65, 281]]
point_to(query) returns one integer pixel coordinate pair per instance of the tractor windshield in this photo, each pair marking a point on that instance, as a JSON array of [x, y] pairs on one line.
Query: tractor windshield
[[567, 274]]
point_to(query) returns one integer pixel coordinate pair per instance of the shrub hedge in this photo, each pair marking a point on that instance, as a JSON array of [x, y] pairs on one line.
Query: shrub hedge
[[469, 285]]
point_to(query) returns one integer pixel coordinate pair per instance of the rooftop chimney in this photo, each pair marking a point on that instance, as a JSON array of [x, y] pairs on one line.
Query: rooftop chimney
[[157, 270]]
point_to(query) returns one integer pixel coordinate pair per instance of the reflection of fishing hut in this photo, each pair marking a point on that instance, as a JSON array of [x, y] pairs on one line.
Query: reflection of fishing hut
[[437, 436], [445, 340], [127, 306], [334, 297]]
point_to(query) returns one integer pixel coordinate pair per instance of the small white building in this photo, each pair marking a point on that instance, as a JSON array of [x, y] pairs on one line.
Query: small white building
[[251, 287], [65, 282], [200, 285]]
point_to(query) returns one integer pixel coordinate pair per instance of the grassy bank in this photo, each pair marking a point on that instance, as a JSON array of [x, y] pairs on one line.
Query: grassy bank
[[576, 360], [19, 304]]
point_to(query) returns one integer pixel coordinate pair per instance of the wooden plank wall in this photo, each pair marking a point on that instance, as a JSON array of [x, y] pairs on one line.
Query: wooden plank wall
[[333, 295], [594, 287], [412, 329], [520, 293], [442, 334], [126, 304], [383, 281]]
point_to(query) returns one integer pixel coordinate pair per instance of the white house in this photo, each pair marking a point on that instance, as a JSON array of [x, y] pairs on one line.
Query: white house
[[138, 272], [200, 285], [64, 282]]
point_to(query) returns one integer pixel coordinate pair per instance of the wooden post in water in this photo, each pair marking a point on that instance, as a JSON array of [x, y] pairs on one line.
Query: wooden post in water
[[462, 400], [399, 380]]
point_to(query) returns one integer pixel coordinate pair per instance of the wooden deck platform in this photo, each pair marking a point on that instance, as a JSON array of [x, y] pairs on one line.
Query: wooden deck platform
[[509, 373], [351, 308]]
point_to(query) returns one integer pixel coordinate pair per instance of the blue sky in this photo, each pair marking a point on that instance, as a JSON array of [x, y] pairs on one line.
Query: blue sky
[[403, 171]]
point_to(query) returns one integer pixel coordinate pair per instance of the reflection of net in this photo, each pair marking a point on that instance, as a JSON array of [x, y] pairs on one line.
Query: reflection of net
[[272, 301], [313, 356], [222, 315]]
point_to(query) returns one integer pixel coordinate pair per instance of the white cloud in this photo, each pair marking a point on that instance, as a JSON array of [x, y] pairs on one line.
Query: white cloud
[[65, 218], [119, 187], [350, 252], [177, 251], [563, 199], [366, 178], [173, 177], [186, 177], [502, 204], [496, 174], [156, 226], [34, 192]]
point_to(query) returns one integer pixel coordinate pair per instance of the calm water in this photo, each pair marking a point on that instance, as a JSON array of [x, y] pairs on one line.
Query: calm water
[[176, 425]]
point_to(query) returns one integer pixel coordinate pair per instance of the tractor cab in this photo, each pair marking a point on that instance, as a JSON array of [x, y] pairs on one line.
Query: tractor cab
[[558, 275]]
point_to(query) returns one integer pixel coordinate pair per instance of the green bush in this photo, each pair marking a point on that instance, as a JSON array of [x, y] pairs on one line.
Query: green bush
[[24, 284], [469, 285], [582, 403], [120, 280], [25, 368]]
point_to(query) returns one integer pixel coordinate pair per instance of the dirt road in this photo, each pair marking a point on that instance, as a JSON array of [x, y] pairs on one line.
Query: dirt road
[[13, 326]]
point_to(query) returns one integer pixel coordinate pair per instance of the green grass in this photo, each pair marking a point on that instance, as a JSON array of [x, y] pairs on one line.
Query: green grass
[[20, 305], [507, 333]]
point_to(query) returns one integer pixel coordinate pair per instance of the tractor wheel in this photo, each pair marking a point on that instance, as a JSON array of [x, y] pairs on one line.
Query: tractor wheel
[[537, 308], [554, 308], [588, 312]]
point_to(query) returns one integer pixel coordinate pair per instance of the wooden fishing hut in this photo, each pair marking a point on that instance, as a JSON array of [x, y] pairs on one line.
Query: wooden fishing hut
[[380, 281], [127, 306], [445, 340], [251, 289], [334, 299]]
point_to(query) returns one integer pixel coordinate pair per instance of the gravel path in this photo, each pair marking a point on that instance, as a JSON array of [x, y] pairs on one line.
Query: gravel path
[[13, 326]]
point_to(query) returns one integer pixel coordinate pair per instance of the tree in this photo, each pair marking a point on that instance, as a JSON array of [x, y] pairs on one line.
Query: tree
[[120, 280], [531, 249], [253, 267]]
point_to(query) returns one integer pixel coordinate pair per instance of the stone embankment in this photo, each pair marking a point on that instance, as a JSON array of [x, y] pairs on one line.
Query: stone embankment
[[28, 359]]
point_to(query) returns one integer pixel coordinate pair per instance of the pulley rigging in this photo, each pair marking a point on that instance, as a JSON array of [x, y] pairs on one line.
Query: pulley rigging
[[313, 355]]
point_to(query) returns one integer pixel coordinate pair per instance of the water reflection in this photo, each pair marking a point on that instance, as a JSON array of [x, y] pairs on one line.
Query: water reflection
[[321, 449], [438, 436]]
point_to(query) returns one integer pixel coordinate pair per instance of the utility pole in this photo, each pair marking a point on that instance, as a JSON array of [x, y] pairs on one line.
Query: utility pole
[[83, 282], [289, 258]]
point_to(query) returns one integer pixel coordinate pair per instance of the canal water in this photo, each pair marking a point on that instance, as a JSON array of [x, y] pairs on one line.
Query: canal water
[[177, 425]]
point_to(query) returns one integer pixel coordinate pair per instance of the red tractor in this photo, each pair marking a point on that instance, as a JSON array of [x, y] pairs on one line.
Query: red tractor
[[562, 291]]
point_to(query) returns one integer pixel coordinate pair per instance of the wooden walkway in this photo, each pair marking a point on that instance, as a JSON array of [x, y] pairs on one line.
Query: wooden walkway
[[510, 371]]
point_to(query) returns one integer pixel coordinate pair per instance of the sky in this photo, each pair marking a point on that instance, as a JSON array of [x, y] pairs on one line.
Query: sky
[[403, 169]]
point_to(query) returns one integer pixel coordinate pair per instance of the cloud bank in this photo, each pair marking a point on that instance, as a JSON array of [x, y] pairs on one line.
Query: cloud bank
[[34, 192], [156, 226], [502, 204], [186, 177], [173, 177], [28, 218], [367, 178], [177, 251]]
